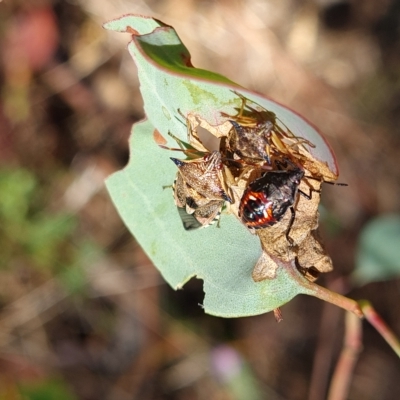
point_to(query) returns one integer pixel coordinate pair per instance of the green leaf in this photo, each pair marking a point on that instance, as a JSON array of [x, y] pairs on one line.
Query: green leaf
[[74, 277], [44, 236], [46, 390], [17, 188], [222, 257], [141, 24], [378, 255], [168, 83]]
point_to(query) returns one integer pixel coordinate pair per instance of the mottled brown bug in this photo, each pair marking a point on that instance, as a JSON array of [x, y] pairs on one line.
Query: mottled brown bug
[[204, 175], [195, 210], [199, 188], [257, 136]]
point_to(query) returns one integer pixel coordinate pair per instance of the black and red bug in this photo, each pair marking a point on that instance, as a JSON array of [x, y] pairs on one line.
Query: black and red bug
[[266, 199]]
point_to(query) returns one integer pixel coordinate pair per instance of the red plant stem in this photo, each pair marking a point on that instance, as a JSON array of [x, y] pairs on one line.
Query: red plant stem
[[352, 347], [278, 315], [312, 289], [323, 355], [337, 299], [376, 321]]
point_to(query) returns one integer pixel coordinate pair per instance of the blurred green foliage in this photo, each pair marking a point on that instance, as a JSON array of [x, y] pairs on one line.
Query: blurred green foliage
[[49, 389], [34, 237], [378, 255]]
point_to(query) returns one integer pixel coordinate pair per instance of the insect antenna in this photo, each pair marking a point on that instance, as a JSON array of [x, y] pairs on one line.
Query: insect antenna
[[324, 181], [184, 147]]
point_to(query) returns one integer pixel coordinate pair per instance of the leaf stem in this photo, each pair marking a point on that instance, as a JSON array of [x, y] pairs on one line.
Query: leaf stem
[[377, 322], [352, 346], [322, 293], [336, 299], [324, 352]]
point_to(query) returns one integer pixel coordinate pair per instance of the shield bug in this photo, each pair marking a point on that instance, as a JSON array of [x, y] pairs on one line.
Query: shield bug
[[266, 199], [195, 210], [199, 189], [251, 144], [204, 175], [257, 135]]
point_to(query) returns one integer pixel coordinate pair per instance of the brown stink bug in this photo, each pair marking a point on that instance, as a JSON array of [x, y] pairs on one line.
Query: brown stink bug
[[257, 135], [195, 210], [199, 189], [204, 175]]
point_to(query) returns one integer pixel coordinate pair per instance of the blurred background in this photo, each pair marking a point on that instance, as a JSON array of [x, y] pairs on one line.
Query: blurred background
[[83, 313]]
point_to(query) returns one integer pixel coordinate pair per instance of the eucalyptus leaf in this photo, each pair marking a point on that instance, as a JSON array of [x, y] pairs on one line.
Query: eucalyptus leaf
[[223, 257], [378, 255], [169, 83]]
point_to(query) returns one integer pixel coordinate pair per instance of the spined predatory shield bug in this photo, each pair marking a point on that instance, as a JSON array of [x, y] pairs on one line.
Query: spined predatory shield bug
[[204, 175], [251, 144], [195, 210], [199, 190], [266, 199], [257, 135]]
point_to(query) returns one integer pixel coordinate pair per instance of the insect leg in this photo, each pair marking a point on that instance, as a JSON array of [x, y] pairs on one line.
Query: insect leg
[[336, 183], [310, 273], [292, 217], [329, 182], [309, 195]]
